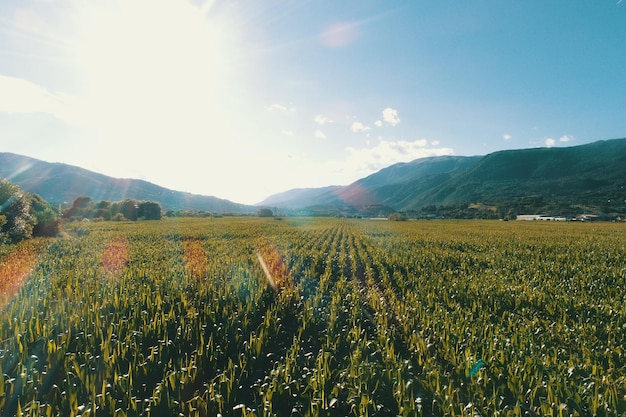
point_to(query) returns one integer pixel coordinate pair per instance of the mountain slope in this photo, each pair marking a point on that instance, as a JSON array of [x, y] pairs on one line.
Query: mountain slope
[[389, 186], [399, 182], [591, 176], [588, 174], [60, 183], [298, 197]]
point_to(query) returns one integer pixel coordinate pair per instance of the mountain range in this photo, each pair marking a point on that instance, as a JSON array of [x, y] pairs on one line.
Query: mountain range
[[589, 177], [584, 177], [61, 184]]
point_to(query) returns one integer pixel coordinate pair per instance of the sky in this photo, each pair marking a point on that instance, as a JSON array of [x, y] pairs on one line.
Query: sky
[[242, 99]]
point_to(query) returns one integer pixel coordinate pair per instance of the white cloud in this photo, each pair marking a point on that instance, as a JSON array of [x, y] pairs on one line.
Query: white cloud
[[322, 120], [356, 163], [566, 138], [319, 134], [287, 132], [280, 107], [387, 152], [22, 96], [550, 142], [391, 116], [506, 136], [378, 123], [359, 127], [435, 143]]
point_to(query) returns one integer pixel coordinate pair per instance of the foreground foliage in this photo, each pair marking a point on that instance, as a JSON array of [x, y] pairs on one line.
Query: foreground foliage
[[358, 318], [24, 215]]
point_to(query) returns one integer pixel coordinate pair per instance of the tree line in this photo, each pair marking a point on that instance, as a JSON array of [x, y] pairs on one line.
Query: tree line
[[24, 215], [127, 209]]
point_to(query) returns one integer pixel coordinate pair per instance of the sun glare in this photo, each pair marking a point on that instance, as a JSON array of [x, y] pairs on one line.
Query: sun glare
[[162, 85], [152, 67]]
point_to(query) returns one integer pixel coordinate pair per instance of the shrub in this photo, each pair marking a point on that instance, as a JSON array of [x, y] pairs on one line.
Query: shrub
[[396, 217], [119, 217]]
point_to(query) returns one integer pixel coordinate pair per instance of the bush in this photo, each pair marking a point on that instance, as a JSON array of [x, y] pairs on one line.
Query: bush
[[15, 208], [396, 217], [265, 212], [46, 219], [24, 215], [119, 217]]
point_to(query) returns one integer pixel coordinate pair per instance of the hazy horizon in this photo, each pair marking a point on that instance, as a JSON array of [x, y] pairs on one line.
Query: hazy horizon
[[241, 101]]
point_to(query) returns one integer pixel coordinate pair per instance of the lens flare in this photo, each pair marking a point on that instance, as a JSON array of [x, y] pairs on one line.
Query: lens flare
[[275, 268], [195, 258], [15, 269], [115, 256]]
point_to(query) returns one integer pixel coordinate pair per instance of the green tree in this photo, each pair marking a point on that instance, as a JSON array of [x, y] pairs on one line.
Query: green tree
[[81, 208], [102, 210], [3, 221], [397, 217], [24, 215], [8, 191], [265, 212], [15, 209], [118, 217], [46, 218], [129, 208], [149, 210]]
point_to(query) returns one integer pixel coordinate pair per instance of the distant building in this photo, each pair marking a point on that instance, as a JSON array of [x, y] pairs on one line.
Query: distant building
[[528, 217], [541, 217], [588, 217], [553, 218]]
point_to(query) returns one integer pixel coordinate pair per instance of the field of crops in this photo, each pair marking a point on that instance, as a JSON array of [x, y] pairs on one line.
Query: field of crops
[[316, 317]]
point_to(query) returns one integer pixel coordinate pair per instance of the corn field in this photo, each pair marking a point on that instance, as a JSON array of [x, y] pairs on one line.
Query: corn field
[[315, 317]]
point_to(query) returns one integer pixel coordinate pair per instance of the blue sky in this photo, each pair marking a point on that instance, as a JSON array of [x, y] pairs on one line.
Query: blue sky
[[242, 99]]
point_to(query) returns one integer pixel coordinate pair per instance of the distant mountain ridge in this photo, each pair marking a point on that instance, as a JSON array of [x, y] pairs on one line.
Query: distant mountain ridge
[[389, 186], [591, 175], [587, 176], [559, 180], [60, 183]]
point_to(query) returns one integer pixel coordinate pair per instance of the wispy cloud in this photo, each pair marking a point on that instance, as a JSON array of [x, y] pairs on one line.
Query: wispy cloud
[[550, 142], [387, 152], [566, 138], [506, 136], [282, 108], [319, 134], [22, 96], [286, 132], [322, 120], [359, 127], [340, 34]]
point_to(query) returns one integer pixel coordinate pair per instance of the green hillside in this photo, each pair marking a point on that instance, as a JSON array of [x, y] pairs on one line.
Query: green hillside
[[590, 177], [390, 186], [61, 183], [567, 181]]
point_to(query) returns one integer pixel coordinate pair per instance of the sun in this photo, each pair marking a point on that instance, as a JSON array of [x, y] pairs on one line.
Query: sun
[[161, 82], [145, 60]]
